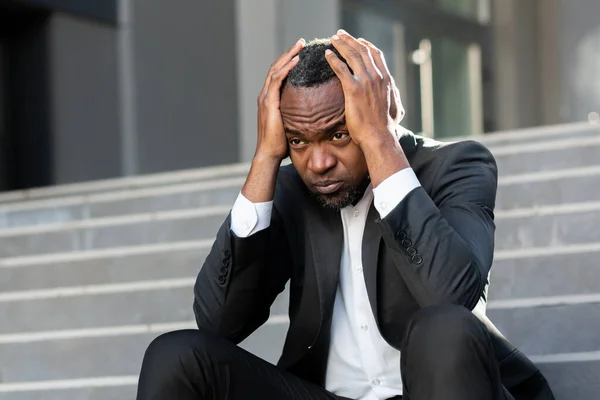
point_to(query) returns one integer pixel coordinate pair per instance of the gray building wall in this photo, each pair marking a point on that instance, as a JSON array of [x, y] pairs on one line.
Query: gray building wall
[[84, 99], [185, 84], [182, 111]]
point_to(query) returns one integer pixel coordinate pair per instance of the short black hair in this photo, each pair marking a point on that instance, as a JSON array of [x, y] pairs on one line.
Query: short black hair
[[312, 68]]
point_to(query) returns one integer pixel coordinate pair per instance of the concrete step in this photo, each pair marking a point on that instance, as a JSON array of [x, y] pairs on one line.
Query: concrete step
[[570, 373], [106, 266], [518, 188], [546, 272], [192, 224], [575, 380], [562, 392], [552, 329], [548, 226], [538, 134], [530, 322], [543, 156], [548, 187], [127, 183], [126, 392], [570, 381], [141, 302], [68, 362], [566, 270], [105, 233], [167, 198], [88, 357]]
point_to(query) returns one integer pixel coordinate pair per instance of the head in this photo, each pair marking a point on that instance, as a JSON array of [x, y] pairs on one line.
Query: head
[[331, 165]]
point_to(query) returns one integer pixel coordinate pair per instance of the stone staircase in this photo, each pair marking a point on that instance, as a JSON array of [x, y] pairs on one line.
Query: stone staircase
[[90, 273]]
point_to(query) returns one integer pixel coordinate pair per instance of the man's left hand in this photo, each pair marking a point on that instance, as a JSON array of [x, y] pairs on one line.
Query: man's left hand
[[373, 107]]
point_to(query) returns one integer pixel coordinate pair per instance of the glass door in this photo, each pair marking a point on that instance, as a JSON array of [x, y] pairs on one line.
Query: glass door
[[450, 86], [436, 58]]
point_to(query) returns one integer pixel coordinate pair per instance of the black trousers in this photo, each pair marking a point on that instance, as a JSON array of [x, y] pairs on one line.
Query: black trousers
[[446, 355]]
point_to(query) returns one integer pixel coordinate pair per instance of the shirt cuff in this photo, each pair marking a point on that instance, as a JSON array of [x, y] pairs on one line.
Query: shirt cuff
[[247, 217], [389, 193]]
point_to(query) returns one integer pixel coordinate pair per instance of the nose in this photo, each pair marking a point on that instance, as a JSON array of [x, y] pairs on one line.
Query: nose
[[321, 160]]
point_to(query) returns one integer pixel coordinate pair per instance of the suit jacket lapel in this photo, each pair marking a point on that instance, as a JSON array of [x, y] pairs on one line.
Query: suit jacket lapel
[[327, 241], [370, 256]]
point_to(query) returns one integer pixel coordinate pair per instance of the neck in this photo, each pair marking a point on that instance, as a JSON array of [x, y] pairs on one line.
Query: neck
[[361, 189]]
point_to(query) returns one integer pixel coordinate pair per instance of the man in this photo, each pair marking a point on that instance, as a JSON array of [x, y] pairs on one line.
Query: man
[[386, 240]]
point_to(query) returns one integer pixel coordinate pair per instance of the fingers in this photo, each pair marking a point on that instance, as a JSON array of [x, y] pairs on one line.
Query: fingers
[[396, 109], [339, 67], [350, 52], [280, 63], [357, 54], [276, 79], [378, 57]]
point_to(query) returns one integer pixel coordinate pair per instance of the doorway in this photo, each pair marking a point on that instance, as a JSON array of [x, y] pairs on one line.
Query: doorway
[[4, 144], [25, 137]]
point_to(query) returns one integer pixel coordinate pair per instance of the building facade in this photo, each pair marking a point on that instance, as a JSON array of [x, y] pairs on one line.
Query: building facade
[[106, 88]]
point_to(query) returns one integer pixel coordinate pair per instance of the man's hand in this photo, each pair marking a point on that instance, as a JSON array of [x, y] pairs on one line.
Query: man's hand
[[373, 107], [271, 144]]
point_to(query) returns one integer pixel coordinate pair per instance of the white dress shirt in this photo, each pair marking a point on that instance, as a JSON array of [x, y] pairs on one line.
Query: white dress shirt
[[362, 365]]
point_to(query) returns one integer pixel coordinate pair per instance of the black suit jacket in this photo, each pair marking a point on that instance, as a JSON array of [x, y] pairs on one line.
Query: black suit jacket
[[435, 247]]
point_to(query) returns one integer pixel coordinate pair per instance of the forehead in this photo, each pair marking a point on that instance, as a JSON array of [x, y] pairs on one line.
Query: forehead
[[312, 108]]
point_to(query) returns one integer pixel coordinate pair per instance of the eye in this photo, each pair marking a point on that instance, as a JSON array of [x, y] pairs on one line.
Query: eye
[[296, 142], [340, 135]]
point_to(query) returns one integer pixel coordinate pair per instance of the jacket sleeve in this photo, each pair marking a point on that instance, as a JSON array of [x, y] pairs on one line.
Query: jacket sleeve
[[240, 279], [442, 243]]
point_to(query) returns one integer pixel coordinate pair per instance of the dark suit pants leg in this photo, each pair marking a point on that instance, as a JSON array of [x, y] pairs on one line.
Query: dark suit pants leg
[[197, 365], [447, 354]]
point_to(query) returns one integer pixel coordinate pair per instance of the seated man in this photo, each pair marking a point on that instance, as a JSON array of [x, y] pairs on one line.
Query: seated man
[[386, 240]]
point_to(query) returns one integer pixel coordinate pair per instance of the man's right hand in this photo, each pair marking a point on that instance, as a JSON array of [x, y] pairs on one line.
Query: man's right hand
[[271, 144], [271, 141]]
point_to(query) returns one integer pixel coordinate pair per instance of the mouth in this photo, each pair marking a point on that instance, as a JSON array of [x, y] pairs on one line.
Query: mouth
[[328, 187]]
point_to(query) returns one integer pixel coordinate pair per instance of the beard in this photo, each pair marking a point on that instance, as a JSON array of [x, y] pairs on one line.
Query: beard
[[341, 199]]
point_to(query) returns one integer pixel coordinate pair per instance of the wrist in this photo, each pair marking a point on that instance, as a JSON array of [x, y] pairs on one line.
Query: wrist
[[381, 142], [260, 182], [384, 157], [265, 160]]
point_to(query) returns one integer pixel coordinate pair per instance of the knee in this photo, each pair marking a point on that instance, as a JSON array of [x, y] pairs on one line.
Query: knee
[[450, 330], [170, 352]]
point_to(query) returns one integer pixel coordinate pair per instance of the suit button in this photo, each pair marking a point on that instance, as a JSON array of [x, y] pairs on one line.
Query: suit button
[[411, 251], [227, 254], [225, 262], [406, 243], [223, 271], [401, 235], [222, 279], [417, 259]]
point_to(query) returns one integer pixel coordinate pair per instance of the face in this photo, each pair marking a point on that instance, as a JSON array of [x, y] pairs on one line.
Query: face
[[331, 165]]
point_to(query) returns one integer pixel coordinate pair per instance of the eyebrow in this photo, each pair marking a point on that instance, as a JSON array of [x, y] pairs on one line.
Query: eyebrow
[[321, 132]]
